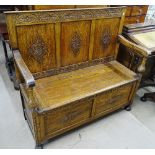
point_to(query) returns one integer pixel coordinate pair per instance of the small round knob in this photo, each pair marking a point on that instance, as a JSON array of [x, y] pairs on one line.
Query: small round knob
[[140, 11], [137, 20]]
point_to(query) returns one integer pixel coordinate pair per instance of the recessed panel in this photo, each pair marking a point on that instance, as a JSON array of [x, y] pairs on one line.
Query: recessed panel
[[106, 31], [37, 46], [75, 38]]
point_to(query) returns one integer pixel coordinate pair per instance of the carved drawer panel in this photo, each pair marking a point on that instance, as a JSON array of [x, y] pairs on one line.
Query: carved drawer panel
[[112, 98], [68, 115]]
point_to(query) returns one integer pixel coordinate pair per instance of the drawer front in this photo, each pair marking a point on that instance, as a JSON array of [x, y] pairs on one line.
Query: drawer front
[[128, 11], [66, 116], [112, 98], [139, 10], [136, 19]]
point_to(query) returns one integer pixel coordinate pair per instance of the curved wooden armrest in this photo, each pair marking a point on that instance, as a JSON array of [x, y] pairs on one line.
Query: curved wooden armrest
[[28, 77], [141, 51], [138, 49]]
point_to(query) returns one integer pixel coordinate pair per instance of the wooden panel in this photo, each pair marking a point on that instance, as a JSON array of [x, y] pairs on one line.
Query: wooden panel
[[139, 10], [75, 38], [112, 98], [65, 116], [36, 47], [136, 19], [105, 37]]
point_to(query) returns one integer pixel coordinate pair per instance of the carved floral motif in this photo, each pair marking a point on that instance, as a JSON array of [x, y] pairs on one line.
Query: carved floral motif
[[106, 38], [76, 43], [38, 49]]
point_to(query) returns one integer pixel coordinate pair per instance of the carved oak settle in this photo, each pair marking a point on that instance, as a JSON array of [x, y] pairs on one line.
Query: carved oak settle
[[66, 66]]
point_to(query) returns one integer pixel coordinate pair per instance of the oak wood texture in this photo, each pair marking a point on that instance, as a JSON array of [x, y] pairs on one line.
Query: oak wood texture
[[71, 55], [26, 74], [81, 83], [140, 51], [38, 25]]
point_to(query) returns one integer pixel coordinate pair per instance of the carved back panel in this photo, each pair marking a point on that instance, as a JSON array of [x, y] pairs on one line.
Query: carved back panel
[[58, 38]]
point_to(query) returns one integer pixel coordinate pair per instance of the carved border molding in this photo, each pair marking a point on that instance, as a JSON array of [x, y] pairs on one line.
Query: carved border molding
[[56, 71], [53, 16]]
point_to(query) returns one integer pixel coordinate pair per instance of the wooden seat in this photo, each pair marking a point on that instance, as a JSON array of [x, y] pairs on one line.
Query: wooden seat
[[66, 65], [52, 92]]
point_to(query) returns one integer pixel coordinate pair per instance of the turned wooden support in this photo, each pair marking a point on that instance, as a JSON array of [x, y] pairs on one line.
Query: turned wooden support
[[138, 50], [141, 67]]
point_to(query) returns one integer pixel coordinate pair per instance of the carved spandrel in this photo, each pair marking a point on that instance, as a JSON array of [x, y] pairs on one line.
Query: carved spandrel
[[75, 43], [38, 49]]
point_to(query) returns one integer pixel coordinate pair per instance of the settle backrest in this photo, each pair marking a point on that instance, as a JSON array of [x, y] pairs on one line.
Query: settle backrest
[[51, 39]]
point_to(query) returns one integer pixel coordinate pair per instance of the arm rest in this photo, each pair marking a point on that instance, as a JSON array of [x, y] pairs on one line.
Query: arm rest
[[141, 51], [138, 49], [28, 77]]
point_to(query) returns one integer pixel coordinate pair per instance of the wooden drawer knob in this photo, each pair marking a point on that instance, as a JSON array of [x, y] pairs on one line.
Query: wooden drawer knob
[[137, 20], [140, 11]]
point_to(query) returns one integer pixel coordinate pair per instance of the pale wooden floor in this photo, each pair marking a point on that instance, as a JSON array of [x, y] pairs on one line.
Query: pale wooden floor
[[134, 129]]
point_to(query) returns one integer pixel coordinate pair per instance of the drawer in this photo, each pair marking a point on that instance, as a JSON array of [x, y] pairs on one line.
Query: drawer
[[139, 10], [66, 116], [128, 11], [136, 19], [112, 99]]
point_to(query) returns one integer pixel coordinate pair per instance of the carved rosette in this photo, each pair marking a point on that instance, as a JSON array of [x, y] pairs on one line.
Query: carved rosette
[[76, 43], [38, 49], [106, 38]]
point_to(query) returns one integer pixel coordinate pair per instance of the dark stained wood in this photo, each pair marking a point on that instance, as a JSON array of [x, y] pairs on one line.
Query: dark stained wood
[[71, 55], [143, 35]]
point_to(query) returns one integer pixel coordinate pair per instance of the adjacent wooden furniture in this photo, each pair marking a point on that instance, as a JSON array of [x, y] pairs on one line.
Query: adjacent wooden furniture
[[67, 69], [144, 35], [5, 41], [135, 14]]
